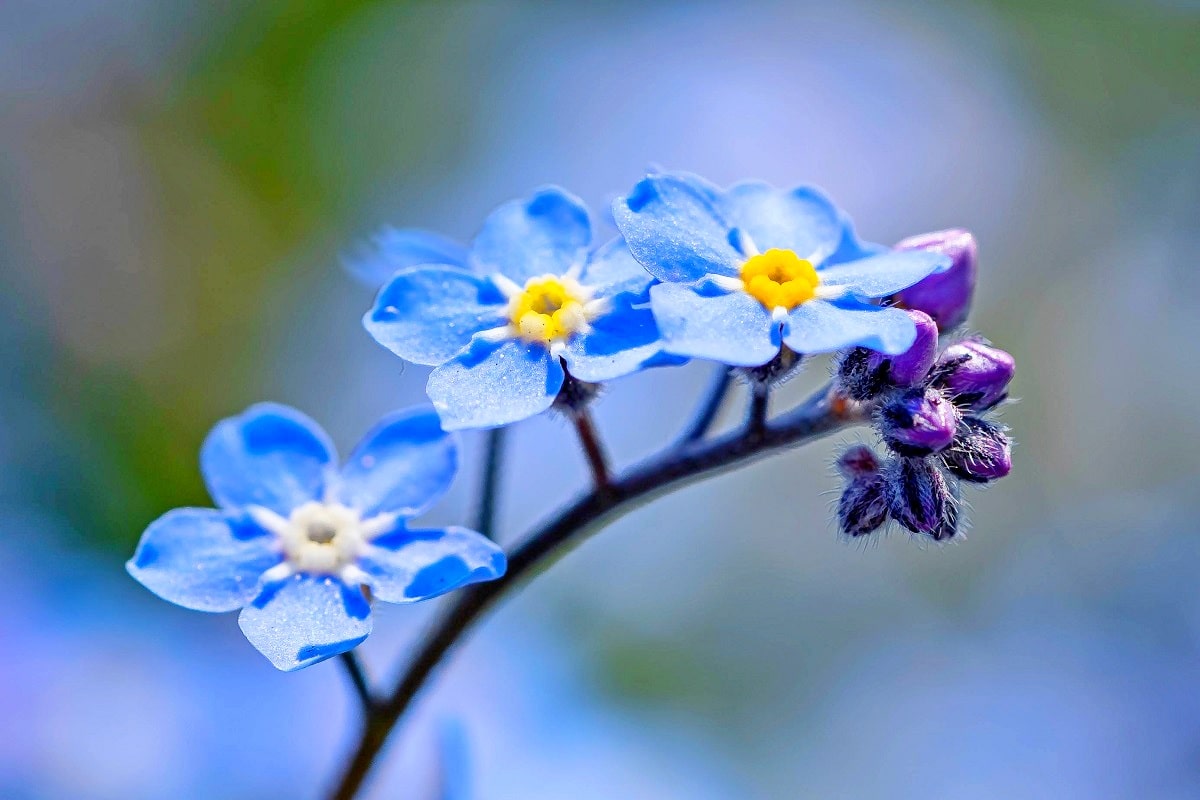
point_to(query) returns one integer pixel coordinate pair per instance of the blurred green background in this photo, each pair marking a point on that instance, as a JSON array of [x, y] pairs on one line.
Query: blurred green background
[[178, 183]]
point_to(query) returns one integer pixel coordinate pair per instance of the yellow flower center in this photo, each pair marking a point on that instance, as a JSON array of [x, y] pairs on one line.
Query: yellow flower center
[[549, 308], [780, 279]]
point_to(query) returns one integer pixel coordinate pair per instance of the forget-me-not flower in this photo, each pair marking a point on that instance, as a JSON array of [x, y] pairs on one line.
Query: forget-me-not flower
[[499, 322], [748, 269], [296, 543]]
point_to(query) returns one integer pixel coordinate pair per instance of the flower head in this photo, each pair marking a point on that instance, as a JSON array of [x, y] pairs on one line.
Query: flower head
[[499, 322], [296, 543], [751, 268]]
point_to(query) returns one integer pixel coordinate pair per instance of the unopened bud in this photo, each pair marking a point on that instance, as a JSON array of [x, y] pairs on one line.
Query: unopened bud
[[919, 497], [862, 373], [981, 452], [918, 422], [945, 296], [974, 375], [863, 506], [911, 366], [858, 460], [865, 374]]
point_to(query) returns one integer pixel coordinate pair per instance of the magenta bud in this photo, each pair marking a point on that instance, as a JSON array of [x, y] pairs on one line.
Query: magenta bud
[[974, 375], [944, 296], [981, 453], [918, 422], [858, 460], [920, 498], [911, 366]]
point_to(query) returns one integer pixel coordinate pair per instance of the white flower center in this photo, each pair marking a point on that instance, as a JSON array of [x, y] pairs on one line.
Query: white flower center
[[322, 537]]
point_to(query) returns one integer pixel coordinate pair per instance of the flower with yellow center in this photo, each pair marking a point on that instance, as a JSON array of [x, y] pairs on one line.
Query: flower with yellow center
[[548, 310]]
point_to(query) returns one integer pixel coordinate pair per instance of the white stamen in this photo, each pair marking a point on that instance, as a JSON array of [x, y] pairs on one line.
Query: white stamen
[[727, 283], [746, 244], [826, 292], [597, 308], [507, 286], [499, 334], [268, 520]]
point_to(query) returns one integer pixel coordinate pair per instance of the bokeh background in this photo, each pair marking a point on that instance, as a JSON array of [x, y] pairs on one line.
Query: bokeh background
[[179, 181]]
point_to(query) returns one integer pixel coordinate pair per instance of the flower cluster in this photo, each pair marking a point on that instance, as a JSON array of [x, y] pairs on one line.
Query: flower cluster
[[930, 411], [533, 314], [734, 276]]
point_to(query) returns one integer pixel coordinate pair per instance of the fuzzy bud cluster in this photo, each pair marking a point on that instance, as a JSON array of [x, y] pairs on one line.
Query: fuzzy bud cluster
[[929, 410]]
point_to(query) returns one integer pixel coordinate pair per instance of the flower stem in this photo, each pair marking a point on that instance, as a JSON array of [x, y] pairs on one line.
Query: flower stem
[[671, 469], [358, 677], [493, 459], [760, 399], [706, 415], [593, 449]]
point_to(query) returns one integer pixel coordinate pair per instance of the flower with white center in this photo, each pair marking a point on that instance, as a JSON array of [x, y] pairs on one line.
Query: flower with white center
[[751, 268], [501, 322], [302, 547]]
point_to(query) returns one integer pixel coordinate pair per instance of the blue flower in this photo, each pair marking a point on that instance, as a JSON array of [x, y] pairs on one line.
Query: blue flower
[[295, 540], [751, 268], [500, 321]]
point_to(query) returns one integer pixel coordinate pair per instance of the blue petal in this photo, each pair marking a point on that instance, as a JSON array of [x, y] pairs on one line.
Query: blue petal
[[305, 619], [621, 342], [732, 328], [494, 383], [613, 270], [888, 273], [674, 228], [547, 234], [426, 315], [194, 558], [802, 220], [392, 250], [271, 456], [851, 248], [406, 566], [402, 466], [820, 327]]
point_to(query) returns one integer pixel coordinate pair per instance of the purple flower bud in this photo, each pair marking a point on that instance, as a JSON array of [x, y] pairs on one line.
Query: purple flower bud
[[918, 422], [864, 374], [911, 366], [981, 452], [863, 506], [945, 296], [858, 460], [974, 375], [920, 498]]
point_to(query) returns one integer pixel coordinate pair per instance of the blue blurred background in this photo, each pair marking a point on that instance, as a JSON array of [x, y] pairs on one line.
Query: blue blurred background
[[179, 180]]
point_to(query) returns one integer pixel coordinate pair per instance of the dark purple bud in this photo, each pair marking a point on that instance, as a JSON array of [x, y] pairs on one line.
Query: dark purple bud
[[945, 296], [913, 365], [981, 452], [863, 507], [919, 498], [974, 375], [865, 374], [918, 422], [858, 460]]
